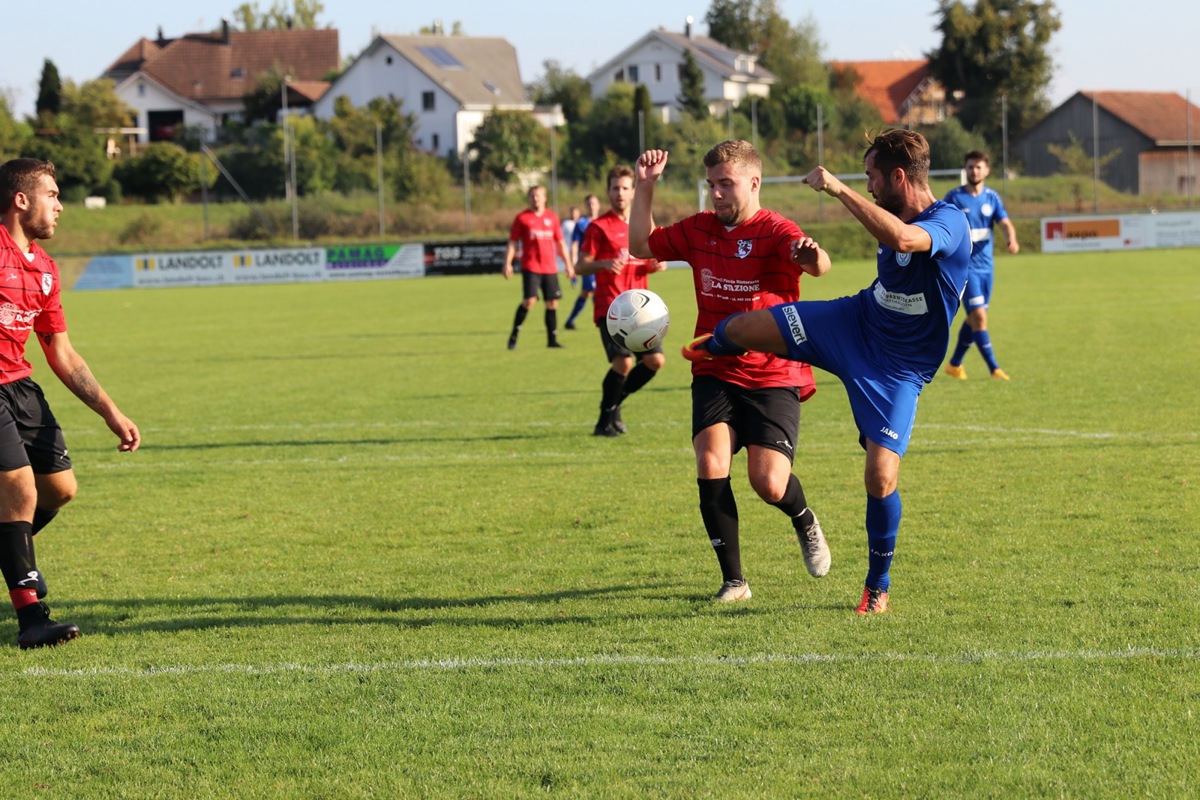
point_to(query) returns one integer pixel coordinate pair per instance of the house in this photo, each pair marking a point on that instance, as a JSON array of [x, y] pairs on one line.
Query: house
[[905, 92], [1151, 131], [655, 61], [450, 83], [199, 79]]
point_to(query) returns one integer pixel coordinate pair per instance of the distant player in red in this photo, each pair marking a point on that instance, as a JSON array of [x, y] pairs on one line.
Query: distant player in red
[[743, 257], [36, 478], [539, 233], [605, 254]]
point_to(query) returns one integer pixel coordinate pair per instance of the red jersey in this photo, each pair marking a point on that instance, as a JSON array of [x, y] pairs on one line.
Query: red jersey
[[538, 235], [743, 269], [606, 238], [29, 300]]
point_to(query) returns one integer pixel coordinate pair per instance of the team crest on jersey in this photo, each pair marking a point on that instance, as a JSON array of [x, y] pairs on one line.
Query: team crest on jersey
[[47, 283], [903, 258], [986, 209], [744, 246]]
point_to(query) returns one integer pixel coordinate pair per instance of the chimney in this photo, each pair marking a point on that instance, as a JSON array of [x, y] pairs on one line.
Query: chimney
[[687, 26], [437, 27], [224, 31], [161, 40]]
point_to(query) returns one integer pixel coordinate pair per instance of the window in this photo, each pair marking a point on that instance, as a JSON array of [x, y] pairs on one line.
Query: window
[[633, 73], [141, 90], [237, 72], [435, 141], [427, 103], [441, 57], [658, 73], [619, 76]]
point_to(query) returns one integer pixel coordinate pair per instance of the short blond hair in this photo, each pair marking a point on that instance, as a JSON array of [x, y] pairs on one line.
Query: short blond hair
[[734, 151]]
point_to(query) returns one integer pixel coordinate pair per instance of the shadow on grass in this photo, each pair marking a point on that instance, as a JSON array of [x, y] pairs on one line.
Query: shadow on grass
[[115, 617]]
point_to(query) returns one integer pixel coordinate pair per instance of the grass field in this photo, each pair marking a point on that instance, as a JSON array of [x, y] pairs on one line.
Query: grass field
[[365, 551]]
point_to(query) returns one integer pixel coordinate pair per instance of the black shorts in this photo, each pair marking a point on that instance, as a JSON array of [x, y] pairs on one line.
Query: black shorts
[[29, 433], [533, 281], [768, 418], [612, 349]]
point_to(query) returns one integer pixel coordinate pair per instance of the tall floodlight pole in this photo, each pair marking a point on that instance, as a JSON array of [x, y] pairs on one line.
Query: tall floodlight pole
[[1191, 176], [553, 167], [1004, 144], [1095, 154], [641, 131], [287, 181], [820, 158], [379, 171], [467, 187], [754, 121]]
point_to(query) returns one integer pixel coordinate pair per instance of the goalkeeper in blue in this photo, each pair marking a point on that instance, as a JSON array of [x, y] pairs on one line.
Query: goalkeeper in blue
[[884, 343], [984, 210]]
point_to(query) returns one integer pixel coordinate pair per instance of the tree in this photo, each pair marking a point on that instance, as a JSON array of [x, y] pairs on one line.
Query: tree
[[264, 102], [510, 143], [692, 98], [792, 53], [352, 130], [161, 170], [1075, 160], [564, 88], [49, 99], [14, 135], [456, 29], [304, 13], [992, 48]]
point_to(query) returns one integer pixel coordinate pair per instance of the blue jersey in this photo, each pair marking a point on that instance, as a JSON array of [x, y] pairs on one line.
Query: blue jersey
[[907, 311], [983, 212], [580, 226]]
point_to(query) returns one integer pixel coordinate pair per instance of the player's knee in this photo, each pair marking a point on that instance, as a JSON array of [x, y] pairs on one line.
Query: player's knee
[[654, 361], [771, 488]]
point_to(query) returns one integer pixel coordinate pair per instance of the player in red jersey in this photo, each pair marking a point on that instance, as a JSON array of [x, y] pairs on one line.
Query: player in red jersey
[[539, 232], [36, 478], [605, 254], [743, 257]]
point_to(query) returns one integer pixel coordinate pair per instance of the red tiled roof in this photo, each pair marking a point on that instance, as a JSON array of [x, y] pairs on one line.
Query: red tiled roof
[[206, 68], [1161, 116], [887, 84]]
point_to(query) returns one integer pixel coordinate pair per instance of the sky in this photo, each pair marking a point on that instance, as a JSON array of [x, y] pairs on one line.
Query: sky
[[1103, 44]]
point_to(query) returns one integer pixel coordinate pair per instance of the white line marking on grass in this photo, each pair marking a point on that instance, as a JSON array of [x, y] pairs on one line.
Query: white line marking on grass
[[455, 664]]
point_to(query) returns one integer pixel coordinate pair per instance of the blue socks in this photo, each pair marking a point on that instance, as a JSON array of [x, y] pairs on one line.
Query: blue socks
[[883, 521], [580, 302], [984, 343], [965, 338]]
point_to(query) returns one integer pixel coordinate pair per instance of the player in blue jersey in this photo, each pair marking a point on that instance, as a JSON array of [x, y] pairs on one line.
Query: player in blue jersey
[[984, 209], [587, 283], [884, 343]]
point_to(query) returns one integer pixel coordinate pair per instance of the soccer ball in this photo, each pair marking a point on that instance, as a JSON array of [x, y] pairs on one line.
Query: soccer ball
[[638, 320]]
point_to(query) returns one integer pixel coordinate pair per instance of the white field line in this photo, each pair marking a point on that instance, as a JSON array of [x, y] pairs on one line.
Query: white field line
[[463, 664], [987, 434]]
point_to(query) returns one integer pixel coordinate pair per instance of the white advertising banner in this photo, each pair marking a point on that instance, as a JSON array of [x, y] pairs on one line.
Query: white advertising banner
[[1120, 232], [214, 268]]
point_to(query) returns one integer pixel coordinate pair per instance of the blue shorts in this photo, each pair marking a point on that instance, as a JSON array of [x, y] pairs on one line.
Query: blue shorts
[[978, 292], [589, 283], [829, 334]]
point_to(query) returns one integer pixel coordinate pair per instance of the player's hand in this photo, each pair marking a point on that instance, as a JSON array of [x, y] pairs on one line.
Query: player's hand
[[696, 350], [1013, 246], [126, 431], [807, 253], [650, 165], [619, 261], [822, 180], [508, 271]]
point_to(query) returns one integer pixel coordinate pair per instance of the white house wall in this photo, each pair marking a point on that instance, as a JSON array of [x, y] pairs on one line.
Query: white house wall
[[385, 73], [144, 96]]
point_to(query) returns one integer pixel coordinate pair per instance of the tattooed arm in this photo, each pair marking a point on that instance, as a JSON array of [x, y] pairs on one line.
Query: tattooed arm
[[73, 371]]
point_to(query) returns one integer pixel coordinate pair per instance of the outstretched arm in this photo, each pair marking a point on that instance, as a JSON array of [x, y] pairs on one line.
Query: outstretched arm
[[649, 169], [73, 371], [886, 228]]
